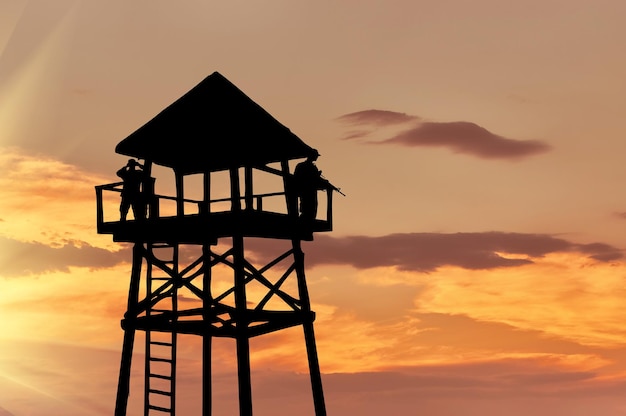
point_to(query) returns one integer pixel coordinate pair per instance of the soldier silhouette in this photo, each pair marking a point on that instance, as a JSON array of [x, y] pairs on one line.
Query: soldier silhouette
[[308, 180], [132, 176]]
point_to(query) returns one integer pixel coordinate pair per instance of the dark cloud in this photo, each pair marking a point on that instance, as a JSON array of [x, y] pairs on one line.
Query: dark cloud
[[376, 117], [425, 252], [469, 138], [458, 136], [601, 251], [356, 134], [20, 258], [621, 215]]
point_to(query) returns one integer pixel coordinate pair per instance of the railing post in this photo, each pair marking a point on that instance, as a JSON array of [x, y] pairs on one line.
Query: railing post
[[151, 200], [249, 194], [329, 208], [235, 192], [180, 203], [99, 207]]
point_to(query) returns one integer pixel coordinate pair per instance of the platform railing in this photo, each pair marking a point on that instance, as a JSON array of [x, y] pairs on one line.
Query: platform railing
[[153, 203]]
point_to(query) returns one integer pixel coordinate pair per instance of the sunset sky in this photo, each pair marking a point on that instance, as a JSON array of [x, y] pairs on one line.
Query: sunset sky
[[476, 265]]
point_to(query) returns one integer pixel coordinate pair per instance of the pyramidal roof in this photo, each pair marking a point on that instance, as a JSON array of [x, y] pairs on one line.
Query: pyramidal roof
[[212, 127]]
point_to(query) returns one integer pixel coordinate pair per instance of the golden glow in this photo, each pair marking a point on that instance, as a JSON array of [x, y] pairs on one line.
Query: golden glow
[[28, 86], [47, 201], [82, 307], [565, 295]]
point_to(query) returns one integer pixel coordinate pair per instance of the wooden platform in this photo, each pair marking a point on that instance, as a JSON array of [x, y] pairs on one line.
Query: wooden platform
[[194, 322], [206, 229]]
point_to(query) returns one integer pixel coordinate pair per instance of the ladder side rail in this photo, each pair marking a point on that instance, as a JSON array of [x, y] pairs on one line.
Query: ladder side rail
[[174, 330], [148, 312], [167, 347]]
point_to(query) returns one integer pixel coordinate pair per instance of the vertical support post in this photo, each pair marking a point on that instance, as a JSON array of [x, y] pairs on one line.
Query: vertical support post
[[180, 203], [99, 207], [242, 339], [147, 167], [123, 385], [235, 191], [207, 336], [150, 201], [249, 191], [206, 200], [241, 319], [150, 204], [309, 334], [290, 198], [207, 304]]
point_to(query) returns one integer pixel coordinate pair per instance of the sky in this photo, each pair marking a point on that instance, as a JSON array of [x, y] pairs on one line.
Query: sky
[[476, 266]]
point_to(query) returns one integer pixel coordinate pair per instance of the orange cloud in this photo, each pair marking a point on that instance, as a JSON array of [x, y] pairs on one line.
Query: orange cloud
[[47, 201], [563, 295], [81, 306]]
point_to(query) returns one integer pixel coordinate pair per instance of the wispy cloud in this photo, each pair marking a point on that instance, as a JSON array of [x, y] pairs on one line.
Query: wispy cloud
[[425, 252], [376, 117], [459, 136]]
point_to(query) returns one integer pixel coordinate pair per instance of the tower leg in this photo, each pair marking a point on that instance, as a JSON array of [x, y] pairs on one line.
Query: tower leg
[[207, 398], [309, 334], [123, 386], [242, 340], [314, 370], [243, 370], [207, 394]]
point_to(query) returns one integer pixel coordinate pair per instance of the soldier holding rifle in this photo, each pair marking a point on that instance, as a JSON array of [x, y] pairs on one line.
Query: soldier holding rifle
[[308, 180]]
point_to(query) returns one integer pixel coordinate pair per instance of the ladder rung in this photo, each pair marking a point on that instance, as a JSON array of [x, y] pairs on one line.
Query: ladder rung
[[165, 344], [161, 360], [161, 392], [161, 278], [160, 310], [160, 409], [160, 376]]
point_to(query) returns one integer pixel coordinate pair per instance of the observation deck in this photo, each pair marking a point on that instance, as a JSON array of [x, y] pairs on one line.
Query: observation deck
[[196, 222]]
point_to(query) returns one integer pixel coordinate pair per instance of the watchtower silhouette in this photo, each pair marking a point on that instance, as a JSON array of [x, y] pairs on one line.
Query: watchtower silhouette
[[212, 130]]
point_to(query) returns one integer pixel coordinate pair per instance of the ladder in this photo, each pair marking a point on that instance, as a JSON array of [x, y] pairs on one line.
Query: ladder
[[160, 366]]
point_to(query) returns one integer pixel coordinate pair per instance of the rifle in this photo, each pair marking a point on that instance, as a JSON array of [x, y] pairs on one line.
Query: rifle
[[331, 186]]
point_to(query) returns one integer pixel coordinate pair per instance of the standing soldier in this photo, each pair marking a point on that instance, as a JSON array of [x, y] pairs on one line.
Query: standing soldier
[[308, 180], [131, 190]]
